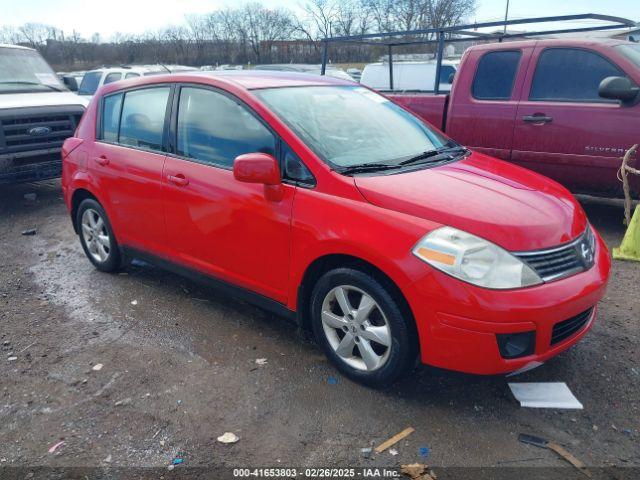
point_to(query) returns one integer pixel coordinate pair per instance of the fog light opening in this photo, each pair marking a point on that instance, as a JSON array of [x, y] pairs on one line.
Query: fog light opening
[[516, 345]]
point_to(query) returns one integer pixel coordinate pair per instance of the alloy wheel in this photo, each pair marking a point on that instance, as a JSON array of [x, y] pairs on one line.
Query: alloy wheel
[[95, 235], [356, 328]]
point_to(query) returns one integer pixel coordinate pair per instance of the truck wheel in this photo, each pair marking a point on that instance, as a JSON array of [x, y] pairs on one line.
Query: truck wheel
[[361, 328], [96, 236]]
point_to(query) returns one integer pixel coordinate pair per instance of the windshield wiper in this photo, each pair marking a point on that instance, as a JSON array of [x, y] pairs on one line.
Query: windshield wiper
[[19, 82], [437, 155], [367, 167], [432, 156]]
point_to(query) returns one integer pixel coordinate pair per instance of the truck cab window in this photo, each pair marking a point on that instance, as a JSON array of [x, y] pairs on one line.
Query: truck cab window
[[571, 75], [495, 75]]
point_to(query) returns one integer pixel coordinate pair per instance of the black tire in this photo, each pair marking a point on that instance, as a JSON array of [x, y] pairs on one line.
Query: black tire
[[113, 261], [403, 349]]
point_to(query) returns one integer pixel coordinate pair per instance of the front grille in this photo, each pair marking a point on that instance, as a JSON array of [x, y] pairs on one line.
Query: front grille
[[567, 328], [563, 261], [42, 128]]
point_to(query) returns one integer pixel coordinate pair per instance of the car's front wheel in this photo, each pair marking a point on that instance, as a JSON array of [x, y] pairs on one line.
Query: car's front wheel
[[96, 236], [361, 327]]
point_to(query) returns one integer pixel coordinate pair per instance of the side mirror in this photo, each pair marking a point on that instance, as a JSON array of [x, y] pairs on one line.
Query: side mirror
[[70, 82], [451, 77], [618, 88], [257, 168]]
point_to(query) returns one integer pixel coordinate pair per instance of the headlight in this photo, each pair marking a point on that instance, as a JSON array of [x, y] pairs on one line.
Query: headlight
[[474, 260]]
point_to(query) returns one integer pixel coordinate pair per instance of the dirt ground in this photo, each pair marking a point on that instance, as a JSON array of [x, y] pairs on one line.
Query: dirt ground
[[179, 370]]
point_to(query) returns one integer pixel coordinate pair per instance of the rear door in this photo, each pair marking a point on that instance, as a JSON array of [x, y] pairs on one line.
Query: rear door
[[127, 164], [485, 100], [236, 231], [564, 129]]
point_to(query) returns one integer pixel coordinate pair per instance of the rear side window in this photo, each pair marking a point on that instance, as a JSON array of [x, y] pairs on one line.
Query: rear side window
[[131, 75], [495, 75], [142, 119], [214, 129], [571, 75], [111, 117], [112, 77]]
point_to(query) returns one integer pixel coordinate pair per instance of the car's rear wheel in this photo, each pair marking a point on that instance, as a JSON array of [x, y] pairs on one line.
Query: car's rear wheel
[[361, 327], [96, 236]]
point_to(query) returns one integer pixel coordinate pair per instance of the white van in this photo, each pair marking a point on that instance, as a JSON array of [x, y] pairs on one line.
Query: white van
[[419, 76], [37, 114]]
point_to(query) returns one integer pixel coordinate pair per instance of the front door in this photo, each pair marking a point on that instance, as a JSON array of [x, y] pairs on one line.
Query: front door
[[564, 130], [236, 231]]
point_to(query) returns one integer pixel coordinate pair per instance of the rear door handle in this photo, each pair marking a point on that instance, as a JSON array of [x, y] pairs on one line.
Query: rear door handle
[[102, 160], [178, 179], [537, 118]]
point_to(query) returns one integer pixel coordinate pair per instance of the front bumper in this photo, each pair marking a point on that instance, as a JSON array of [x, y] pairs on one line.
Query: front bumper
[[457, 322]]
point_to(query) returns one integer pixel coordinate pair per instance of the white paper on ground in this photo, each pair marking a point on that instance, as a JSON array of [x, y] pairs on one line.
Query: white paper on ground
[[544, 395], [529, 366]]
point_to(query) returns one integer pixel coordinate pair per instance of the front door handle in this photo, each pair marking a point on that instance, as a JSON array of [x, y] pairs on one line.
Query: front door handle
[[102, 160], [537, 118], [178, 179]]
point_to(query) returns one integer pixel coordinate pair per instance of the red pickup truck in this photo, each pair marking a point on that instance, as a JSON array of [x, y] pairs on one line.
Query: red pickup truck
[[565, 108]]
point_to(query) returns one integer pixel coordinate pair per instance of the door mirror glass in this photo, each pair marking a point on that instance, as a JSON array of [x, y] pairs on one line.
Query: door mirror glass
[[257, 168], [70, 82], [618, 88]]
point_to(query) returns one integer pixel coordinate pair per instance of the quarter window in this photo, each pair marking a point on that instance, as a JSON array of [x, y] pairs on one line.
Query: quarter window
[[142, 119], [214, 129], [495, 75], [111, 117], [570, 75], [112, 77]]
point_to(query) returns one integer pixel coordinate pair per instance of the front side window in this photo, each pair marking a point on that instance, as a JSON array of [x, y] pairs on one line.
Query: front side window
[[215, 129], [112, 77], [89, 83], [351, 125], [571, 75], [142, 118], [111, 117], [496, 75]]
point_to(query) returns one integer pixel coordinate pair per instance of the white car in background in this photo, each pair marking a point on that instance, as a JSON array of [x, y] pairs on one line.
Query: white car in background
[[418, 76], [94, 79]]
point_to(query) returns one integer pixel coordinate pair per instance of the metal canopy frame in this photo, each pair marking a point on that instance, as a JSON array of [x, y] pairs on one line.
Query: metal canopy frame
[[464, 33]]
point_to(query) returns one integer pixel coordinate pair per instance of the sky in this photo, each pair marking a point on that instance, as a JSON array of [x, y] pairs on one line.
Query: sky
[[137, 16]]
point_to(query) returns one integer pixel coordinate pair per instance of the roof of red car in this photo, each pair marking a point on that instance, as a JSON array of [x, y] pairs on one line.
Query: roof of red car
[[252, 79]]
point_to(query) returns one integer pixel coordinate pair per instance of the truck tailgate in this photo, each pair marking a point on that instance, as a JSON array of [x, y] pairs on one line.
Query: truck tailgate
[[429, 107]]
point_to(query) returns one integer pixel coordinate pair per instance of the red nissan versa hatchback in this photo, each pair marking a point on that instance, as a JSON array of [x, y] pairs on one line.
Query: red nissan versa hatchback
[[322, 200]]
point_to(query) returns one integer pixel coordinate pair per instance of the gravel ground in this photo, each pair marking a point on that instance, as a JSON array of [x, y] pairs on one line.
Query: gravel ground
[[179, 369]]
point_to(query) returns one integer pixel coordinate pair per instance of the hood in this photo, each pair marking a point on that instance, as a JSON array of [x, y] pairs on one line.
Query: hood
[[41, 99], [508, 205]]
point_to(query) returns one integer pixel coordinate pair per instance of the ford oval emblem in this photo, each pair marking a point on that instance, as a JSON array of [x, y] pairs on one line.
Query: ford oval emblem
[[37, 131]]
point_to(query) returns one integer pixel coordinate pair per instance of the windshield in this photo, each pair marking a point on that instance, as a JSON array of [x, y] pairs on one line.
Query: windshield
[[24, 70], [351, 125], [90, 83], [632, 52]]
